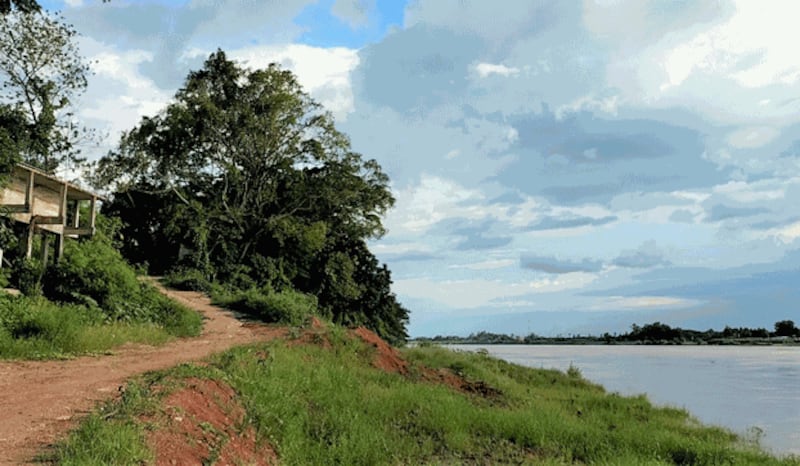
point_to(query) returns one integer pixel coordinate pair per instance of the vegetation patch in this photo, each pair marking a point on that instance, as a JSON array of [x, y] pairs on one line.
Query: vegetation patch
[[91, 301], [329, 403], [288, 307]]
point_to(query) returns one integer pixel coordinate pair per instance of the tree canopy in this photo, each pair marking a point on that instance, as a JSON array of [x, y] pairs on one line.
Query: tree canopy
[[42, 73], [245, 178], [26, 6]]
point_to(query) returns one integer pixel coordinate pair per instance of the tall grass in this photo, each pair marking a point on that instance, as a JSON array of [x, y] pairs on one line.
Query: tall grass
[[109, 436], [328, 405], [287, 306], [35, 328], [91, 301]]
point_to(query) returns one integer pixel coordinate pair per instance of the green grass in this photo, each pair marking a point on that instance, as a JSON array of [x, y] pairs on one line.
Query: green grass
[[35, 328], [109, 436], [287, 307], [330, 406]]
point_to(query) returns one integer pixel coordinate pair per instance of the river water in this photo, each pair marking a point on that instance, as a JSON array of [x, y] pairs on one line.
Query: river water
[[747, 389]]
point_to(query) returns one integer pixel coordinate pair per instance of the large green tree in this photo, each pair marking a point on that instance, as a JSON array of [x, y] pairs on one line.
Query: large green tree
[[248, 175], [42, 72]]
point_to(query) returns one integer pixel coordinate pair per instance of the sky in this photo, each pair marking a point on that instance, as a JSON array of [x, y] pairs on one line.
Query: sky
[[560, 167]]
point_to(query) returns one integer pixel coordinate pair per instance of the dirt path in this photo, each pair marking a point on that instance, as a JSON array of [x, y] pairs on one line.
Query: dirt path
[[39, 400]]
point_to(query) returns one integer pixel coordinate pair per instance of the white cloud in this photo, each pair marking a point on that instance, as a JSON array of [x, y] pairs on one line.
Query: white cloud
[[732, 63], [431, 200], [73, 3], [751, 47], [459, 294], [469, 294], [118, 95], [608, 105], [744, 192], [786, 234], [400, 248], [487, 69], [752, 137], [562, 282], [487, 265], [323, 72], [632, 303]]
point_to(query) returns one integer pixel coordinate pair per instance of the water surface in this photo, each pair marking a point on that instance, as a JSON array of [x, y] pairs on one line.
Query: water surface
[[738, 387]]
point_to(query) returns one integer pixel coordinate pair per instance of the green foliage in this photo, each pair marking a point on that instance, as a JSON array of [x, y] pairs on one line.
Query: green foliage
[[188, 279], [43, 72], [26, 6], [288, 306], [786, 328], [13, 138], [246, 179], [94, 274], [318, 405], [27, 276], [35, 328], [109, 436], [99, 303]]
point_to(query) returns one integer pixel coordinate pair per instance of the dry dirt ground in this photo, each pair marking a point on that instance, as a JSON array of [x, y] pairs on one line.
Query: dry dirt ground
[[39, 400]]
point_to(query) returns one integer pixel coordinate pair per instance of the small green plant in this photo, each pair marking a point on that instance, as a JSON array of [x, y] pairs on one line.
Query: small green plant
[[574, 372]]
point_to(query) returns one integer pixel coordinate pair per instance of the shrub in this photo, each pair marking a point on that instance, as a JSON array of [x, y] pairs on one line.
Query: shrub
[[286, 307], [94, 274], [27, 276], [188, 280]]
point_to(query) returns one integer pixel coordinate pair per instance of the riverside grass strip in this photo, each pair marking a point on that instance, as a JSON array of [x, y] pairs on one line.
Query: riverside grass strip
[[324, 401]]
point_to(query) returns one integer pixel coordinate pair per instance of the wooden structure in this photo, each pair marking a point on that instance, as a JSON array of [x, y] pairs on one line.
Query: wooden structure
[[47, 205]]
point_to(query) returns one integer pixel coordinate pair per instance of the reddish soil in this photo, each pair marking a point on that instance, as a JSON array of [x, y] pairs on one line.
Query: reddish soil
[[390, 360], [386, 357], [202, 423], [448, 377], [40, 399]]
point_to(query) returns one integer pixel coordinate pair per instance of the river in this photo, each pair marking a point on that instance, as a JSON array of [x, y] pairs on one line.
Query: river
[[747, 389]]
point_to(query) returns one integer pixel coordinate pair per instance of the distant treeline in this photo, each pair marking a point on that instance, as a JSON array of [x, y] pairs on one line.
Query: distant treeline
[[656, 333]]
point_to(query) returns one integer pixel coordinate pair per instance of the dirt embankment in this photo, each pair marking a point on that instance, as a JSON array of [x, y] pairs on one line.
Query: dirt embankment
[[40, 399]]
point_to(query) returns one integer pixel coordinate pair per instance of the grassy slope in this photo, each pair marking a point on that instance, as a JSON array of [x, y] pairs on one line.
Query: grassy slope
[[319, 405]]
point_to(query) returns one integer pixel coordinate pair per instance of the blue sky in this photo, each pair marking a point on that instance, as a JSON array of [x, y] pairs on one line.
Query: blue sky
[[559, 167]]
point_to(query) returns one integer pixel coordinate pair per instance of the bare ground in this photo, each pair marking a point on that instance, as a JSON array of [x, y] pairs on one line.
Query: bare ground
[[40, 401]]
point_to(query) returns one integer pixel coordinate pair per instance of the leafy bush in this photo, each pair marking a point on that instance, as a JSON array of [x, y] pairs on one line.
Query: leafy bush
[[27, 276], [286, 307], [94, 274], [188, 279]]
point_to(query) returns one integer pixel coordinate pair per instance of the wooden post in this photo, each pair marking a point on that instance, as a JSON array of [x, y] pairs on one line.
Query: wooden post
[[62, 212], [76, 221], [28, 243], [29, 197], [92, 213], [45, 248]]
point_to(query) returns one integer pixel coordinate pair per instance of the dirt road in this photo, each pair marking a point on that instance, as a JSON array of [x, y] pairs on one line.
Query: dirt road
[[39, 401]]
